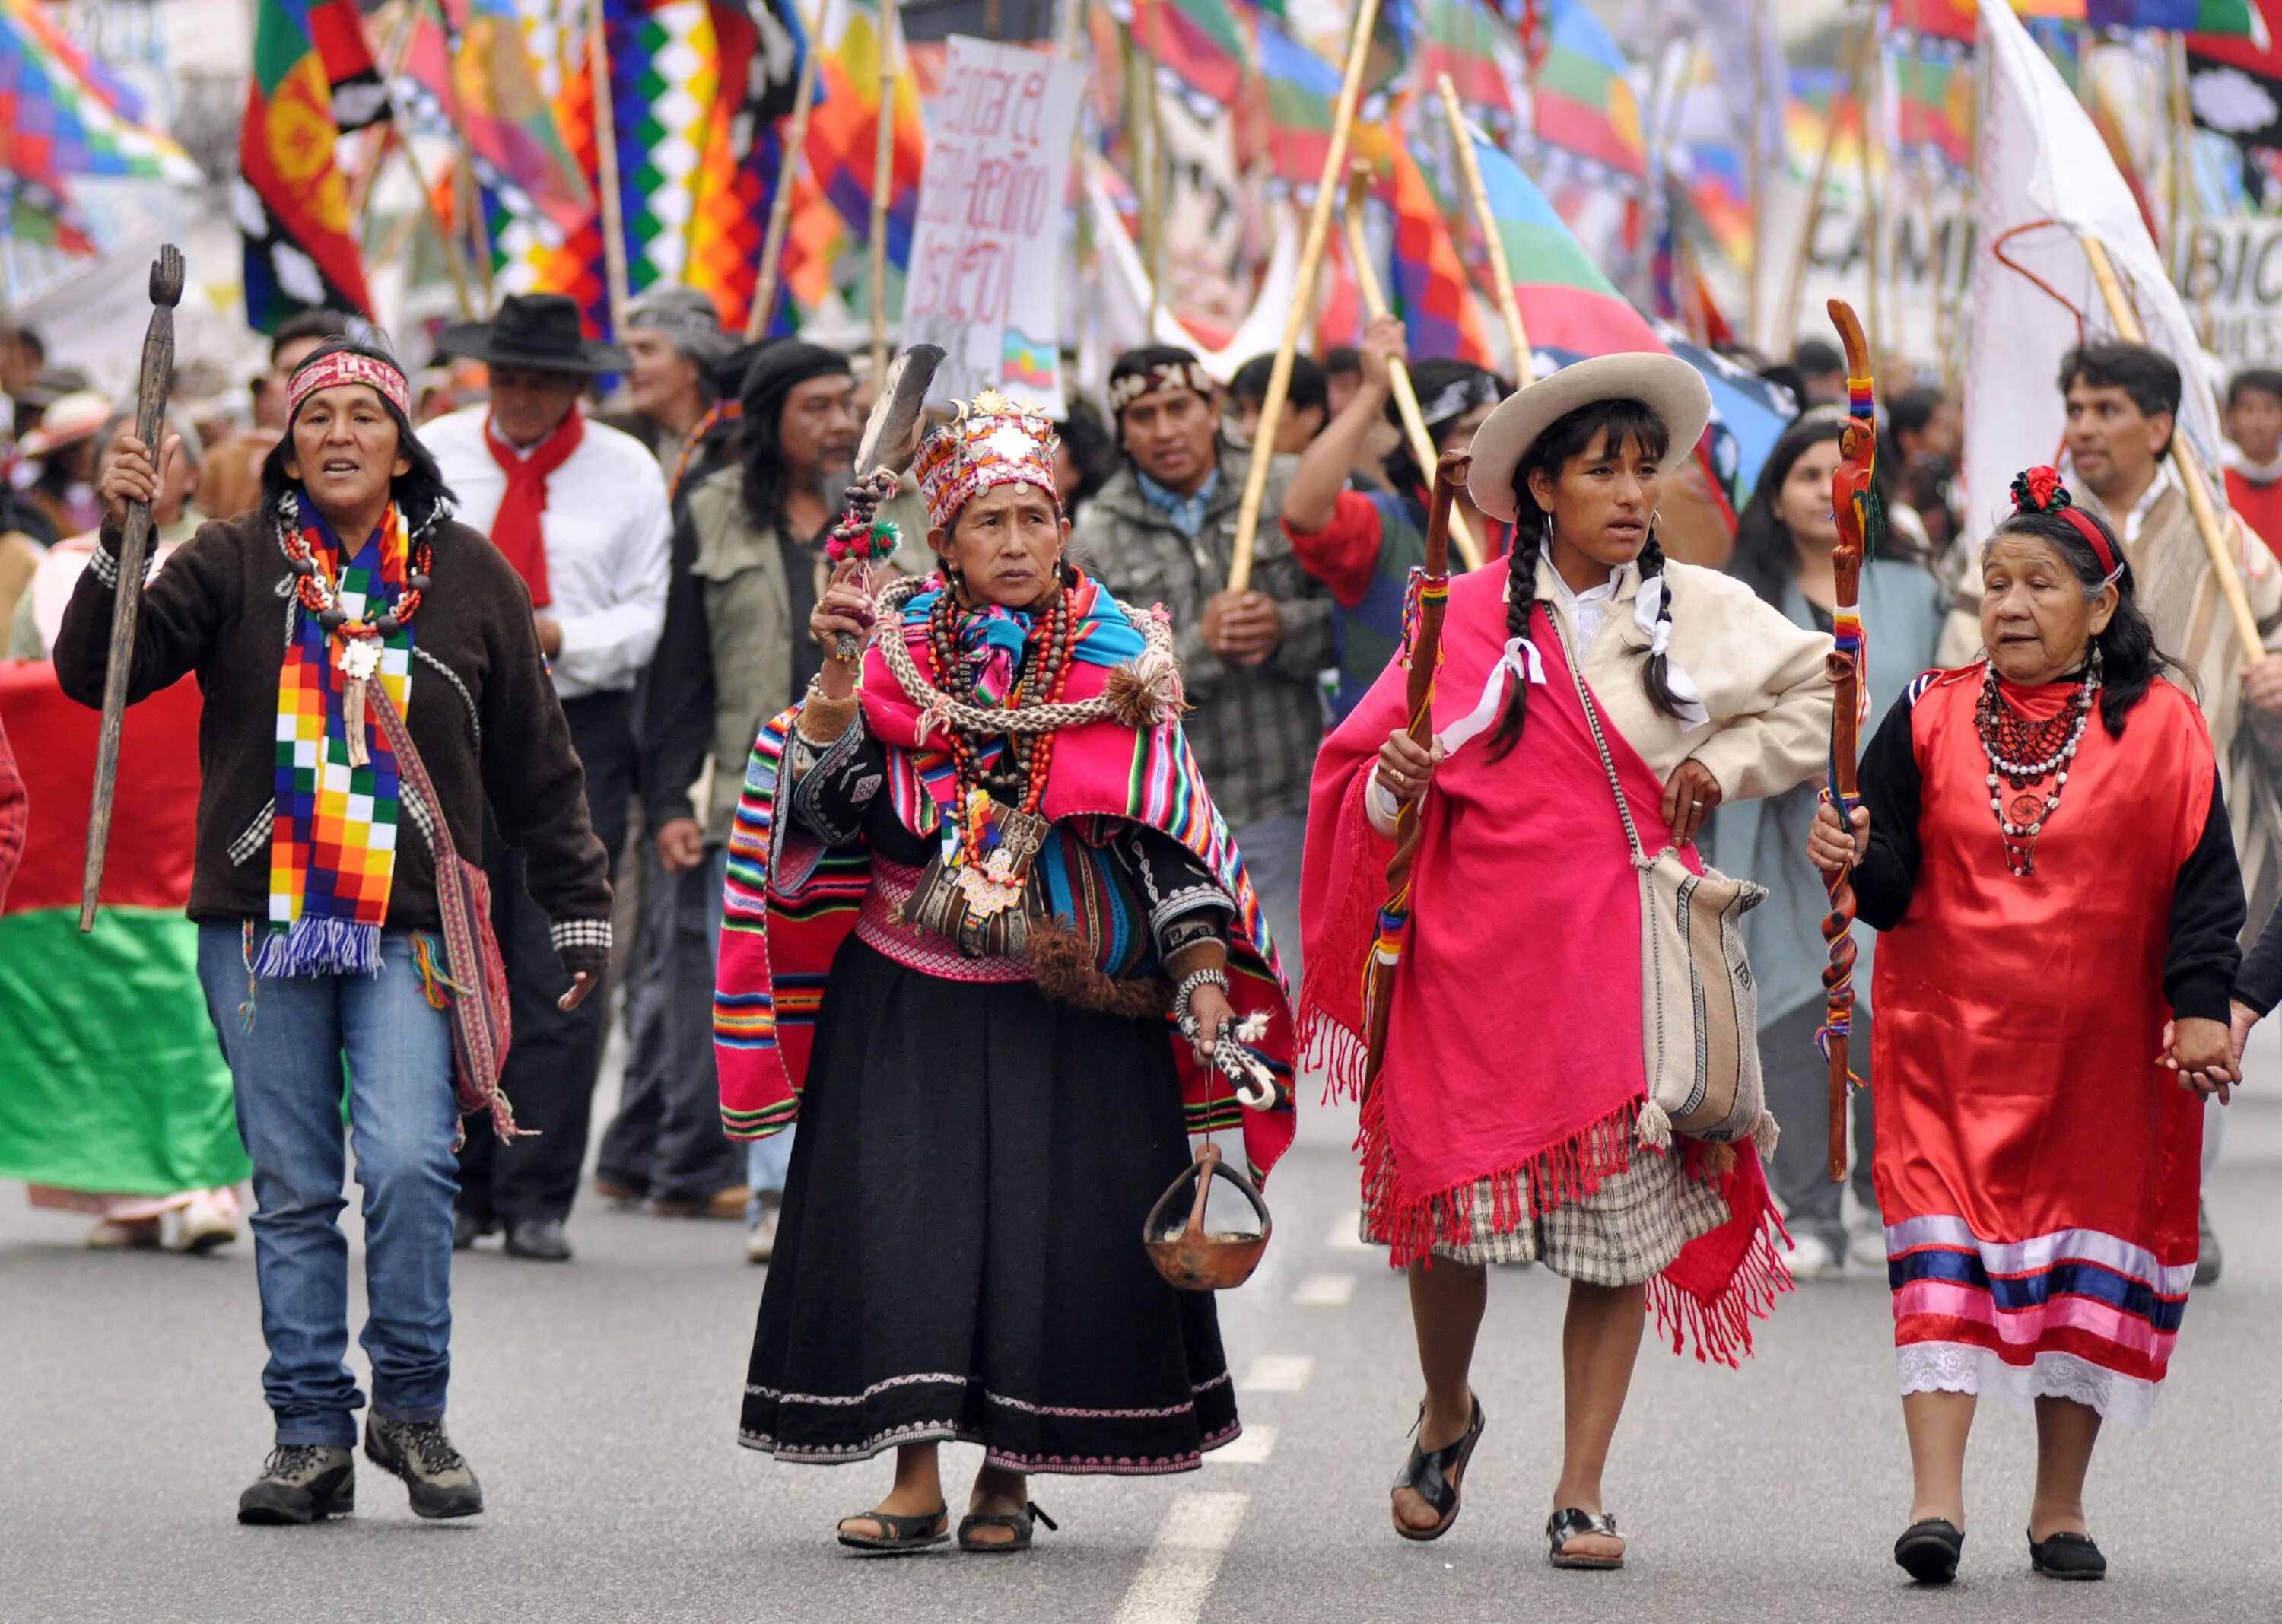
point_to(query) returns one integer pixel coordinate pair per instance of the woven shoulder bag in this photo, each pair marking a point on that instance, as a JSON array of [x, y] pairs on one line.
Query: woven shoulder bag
[[1699, 1006]]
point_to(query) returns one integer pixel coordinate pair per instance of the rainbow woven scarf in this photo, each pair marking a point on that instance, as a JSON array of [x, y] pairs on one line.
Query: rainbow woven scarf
[[790, 902], [332, 847]]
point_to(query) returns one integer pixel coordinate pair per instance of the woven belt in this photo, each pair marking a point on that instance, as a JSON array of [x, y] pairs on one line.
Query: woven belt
[[880, 924]]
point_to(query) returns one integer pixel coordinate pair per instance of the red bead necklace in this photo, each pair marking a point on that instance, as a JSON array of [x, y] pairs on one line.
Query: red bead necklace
[[1045, 665]]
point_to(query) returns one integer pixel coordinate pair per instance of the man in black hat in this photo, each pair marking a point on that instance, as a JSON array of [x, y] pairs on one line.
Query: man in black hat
[[737, 652], [581, 510]]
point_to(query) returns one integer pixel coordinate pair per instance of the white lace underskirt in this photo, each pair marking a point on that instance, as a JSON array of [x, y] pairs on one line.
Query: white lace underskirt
[[1962, 1367]]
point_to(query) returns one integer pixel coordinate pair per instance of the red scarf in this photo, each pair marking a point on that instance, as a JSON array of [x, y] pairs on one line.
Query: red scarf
[[516, 531]]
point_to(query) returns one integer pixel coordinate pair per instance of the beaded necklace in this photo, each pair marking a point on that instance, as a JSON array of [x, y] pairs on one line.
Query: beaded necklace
[[356, 643], [1045, 669], [2023, 754]]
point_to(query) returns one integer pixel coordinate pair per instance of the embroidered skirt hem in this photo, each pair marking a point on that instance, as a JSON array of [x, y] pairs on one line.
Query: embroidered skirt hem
[[958, 1254]]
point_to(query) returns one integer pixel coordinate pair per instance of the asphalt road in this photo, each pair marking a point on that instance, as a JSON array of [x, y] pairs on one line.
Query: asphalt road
[[599, 1403]]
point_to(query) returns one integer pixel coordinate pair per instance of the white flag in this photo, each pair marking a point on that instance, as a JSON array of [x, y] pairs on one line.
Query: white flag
[[2046, 181]]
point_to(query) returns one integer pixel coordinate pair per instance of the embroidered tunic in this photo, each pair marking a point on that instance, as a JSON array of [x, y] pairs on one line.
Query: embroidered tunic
[[2038, 1171]]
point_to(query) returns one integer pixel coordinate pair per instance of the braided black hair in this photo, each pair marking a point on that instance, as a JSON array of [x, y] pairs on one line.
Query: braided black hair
[[1622, 422], [2129, 659]]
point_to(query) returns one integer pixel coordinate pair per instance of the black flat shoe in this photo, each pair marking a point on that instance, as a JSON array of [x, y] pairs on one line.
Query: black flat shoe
[[539, 1240], [901, 1535], [1017, 1523], [1929, 1551], [1433, 1474], [2066, 1556], [1570, 1523]]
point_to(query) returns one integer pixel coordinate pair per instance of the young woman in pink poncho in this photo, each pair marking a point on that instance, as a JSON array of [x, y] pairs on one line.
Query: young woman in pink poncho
[[1503, 1126]]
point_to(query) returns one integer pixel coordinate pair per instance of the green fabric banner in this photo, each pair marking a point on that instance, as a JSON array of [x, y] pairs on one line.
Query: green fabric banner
[[111, 1079]]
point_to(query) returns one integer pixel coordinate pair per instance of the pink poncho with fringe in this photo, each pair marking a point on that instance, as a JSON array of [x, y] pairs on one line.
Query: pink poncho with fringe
[[1514, 1041]]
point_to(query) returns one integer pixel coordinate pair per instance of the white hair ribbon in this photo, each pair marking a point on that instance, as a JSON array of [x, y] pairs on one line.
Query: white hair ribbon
[[1521, 660], [1647, 615]]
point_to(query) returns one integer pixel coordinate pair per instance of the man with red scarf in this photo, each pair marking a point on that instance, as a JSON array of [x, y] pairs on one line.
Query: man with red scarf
[[581, 510]]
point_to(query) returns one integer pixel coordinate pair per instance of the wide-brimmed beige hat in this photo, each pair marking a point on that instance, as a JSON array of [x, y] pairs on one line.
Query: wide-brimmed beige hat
[[1667, 385], [68, 420]]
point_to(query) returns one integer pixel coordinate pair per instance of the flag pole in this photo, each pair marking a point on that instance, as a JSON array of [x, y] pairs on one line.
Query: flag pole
[[606, 155], [1398, 374], [1151, 172], [479, 234], [1500, 271], [791, 166], [1311, 259], [1795, 286], [1873, 212], [1755, 172], [883, 181], [2183, 459]]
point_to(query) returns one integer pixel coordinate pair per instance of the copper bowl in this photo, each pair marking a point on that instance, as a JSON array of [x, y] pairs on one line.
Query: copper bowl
[[1192, 1258]]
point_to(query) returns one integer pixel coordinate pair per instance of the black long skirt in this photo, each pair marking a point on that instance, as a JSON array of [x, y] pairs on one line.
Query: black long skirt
[[959, 1253]]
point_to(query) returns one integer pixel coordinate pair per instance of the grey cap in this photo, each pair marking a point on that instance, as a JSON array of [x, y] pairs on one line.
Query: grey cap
[[687, 318]]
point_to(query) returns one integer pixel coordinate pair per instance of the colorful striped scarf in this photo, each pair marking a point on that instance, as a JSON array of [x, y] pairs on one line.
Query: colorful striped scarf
[[789, 902], [332, 846]]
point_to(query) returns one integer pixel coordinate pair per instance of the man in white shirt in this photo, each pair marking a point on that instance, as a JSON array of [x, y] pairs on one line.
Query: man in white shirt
[[579, 509]]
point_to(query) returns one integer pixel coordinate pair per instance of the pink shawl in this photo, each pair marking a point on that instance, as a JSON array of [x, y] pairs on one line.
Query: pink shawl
[[1514, 1042]]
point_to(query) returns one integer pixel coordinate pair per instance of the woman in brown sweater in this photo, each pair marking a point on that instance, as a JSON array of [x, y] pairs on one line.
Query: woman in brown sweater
[[317, 939]]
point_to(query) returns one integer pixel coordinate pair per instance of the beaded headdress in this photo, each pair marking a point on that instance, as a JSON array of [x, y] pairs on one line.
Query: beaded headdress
[[340, 367], [991, 441], [1128, 387]]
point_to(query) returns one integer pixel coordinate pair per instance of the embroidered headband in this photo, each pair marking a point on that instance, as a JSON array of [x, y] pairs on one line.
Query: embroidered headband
[[2039, 490], [1128, 387], [348, 367], [991, 441]]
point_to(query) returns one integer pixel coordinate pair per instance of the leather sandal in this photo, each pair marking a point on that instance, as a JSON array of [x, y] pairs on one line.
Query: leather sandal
[[1931, 1550], [1570, 1523], [2066, 1556], [901, 1535], [1433, 1475], [1018, 1523]]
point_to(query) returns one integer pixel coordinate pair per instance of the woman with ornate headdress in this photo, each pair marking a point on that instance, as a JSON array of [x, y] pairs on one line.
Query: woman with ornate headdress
[[2044, 848], [965, 908]]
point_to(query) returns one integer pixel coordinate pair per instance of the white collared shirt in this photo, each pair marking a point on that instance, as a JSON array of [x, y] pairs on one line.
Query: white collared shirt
[[609, 536], [2164, 480], [1589, 608]]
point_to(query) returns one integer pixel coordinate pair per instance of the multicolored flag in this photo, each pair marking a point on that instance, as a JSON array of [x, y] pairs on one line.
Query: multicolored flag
[[1934, 98], [293, 209], [504, 116], [1199, 41], [1941, 20], [1300, 91], [56, 121], [44, 216], [1582, 104], [843, 128], [2232, 17], [1567, 304], [2235, 84], [665, 75], [1461, 39], [1427, 282]]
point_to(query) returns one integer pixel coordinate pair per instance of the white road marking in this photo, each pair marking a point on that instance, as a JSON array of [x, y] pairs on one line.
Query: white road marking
[[1326, 1291], [1178, 1573], [1252, 1448], [1345, 1235], [1278, 1373]]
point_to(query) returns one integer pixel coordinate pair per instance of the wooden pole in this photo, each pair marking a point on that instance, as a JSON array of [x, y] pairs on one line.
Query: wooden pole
[[1874, 214], [479, 233], [789, 169], [1311, 259], [1795, 286], [1754, 166], [606, 152], [1149, 132], [392, 60], [166, 272], [1398, 375], [2183, 459], [883, 181], [1469, 167]]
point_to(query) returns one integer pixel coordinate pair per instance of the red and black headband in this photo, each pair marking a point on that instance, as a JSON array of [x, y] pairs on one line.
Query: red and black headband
[[2039, 490], [338, 367]]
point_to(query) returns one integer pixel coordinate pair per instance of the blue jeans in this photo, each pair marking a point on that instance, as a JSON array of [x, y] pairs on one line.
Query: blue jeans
[[286, 1040], [1271, 848]]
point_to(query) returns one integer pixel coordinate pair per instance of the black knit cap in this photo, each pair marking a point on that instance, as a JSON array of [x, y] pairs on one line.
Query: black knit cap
[[781, 367]]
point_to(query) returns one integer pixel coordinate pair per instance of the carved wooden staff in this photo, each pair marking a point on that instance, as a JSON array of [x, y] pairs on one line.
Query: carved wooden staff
[[1431, 587], [134, 555], [1860, 520]]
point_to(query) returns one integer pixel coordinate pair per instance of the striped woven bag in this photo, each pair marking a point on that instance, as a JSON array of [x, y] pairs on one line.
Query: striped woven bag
[[474, 970]]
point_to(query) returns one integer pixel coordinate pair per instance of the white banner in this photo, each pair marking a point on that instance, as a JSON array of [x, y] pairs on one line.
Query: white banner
[[986, 252], [2229, 273]]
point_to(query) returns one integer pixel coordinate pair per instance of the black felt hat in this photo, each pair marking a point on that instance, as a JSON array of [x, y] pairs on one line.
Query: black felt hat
[[539, 330]]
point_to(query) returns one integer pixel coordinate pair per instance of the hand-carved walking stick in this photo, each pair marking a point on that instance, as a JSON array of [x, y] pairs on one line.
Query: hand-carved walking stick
[[134, 556], [1429, 597], [1855, 505]]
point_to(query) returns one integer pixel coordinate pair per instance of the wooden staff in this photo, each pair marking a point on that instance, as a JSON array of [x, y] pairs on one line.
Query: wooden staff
[[1432, 586], [1850, 505], [606, 162], [1311, 259], [2183, 459], [792, 166], [134, 555], [883, 181], [1795, 286], [1524, 368], [1398, 374]]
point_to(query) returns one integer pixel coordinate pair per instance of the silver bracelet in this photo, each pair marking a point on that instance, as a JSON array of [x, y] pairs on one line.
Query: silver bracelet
[[1188, 988]]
